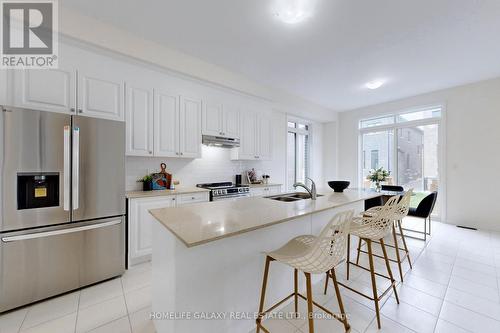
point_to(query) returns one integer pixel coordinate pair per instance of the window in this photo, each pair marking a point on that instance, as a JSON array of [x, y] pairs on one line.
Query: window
[[298, 147], [406, 144], [374, 159]]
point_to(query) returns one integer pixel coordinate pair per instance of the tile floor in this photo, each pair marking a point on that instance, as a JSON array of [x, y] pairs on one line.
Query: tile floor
[[453, 287], [121, 305]]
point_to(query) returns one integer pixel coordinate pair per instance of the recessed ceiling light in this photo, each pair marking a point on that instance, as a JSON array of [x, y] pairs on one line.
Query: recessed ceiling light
[[293, 11], [374, 84]]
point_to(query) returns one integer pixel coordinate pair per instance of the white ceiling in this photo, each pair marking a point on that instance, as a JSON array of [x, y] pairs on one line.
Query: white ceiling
[[417, 46]]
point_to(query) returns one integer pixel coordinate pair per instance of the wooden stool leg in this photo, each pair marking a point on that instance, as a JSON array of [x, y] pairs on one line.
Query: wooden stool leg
[[296, 290], [348, 254], [326, 282], [398, 258], [374, 283], [263, 291], [404, 243], [388, 265], [359, 252], [309, 303], [339, 299]]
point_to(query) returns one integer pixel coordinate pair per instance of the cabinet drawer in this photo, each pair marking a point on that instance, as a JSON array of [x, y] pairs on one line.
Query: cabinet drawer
[[185, 199]]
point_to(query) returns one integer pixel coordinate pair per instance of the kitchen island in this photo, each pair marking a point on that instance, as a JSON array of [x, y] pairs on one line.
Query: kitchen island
[[208, 258]]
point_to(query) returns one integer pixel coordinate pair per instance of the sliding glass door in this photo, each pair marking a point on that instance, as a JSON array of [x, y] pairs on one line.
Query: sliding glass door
[[408, 146]]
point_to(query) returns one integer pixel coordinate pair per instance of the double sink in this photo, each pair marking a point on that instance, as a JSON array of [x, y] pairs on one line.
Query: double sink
[[290, 197]]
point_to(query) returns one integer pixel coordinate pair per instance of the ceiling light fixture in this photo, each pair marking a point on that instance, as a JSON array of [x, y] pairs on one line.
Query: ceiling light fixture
[[293, 11], [375, 84]]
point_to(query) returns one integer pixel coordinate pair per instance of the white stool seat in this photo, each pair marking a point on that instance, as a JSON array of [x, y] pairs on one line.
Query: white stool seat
[[311, 255], [294, 248]]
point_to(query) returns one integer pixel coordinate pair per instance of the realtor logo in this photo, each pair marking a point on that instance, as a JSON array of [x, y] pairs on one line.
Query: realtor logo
[[29, 34]]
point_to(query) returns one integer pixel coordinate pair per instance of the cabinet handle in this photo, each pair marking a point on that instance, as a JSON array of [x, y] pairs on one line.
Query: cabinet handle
[[173, 199], [80, 111], [182, 153], [192, 198], [72, 109], [150, 152]]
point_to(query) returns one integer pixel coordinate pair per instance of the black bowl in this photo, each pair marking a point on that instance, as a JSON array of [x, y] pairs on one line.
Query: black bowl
[[339, 185]]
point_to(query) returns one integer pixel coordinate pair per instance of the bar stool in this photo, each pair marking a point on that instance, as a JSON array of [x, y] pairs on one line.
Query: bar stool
[[369, 229], [311, 255], [401, 212], [424, 210]]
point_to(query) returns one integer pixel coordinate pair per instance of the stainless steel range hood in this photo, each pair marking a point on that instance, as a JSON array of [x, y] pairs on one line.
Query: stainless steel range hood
[[219, 141]]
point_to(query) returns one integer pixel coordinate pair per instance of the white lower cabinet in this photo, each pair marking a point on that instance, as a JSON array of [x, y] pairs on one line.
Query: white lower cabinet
[[265, 190], [140, 221]]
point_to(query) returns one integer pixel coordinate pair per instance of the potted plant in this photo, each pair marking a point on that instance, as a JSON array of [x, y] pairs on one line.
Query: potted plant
[[147, 183], [377, 176]]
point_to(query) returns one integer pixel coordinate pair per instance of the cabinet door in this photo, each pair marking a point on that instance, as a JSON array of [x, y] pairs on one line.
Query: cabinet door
[[47, 90], [100, 95], [231, 121], [264, 138], [273, 190], [140, 225], [212, 119], [166, 124], [248, 142], [190, 128], [258, 191], [139, 121], [192, 198]]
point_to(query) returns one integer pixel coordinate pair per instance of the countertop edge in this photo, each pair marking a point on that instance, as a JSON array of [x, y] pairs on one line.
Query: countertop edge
[[243, 231]]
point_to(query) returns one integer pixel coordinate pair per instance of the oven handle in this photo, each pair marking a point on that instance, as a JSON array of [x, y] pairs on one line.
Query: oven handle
[[36, 235], [241, 195]]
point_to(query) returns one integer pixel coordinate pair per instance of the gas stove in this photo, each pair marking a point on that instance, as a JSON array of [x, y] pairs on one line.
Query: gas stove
[[226, 190]]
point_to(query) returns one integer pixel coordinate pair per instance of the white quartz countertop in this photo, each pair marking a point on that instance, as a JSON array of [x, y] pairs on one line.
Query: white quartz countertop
[[157, 193], [206, 222]]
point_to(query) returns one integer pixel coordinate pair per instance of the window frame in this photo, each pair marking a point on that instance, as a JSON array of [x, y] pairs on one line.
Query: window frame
[[297, 130], [441, 121]]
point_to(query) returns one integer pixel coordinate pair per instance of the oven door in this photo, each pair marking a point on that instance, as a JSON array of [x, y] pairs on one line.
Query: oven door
[[231, 197]]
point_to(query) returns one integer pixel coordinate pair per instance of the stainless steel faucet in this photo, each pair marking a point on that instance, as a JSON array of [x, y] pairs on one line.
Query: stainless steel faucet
[[312, 191]]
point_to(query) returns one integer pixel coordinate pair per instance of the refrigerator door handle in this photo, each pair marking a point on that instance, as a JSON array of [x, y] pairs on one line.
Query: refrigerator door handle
[[67, 171], [76, 167], [44, 234]]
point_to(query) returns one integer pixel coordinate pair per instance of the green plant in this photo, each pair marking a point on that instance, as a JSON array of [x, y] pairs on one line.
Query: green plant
[[378, 175], [146, 179]]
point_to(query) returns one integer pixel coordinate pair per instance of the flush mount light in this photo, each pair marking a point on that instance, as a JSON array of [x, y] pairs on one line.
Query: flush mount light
[[293, 11], [374, 84]]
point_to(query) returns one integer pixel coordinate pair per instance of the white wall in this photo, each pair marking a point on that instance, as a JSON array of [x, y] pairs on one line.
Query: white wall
[[472, 158], [330, 157]]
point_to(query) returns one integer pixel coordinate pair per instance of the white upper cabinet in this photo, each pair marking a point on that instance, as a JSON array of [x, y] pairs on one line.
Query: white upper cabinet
[[166, 124], [69, 90], [264, 138], [212, 119], [170, 124], [255, 137], [248, 141], [46, 90], [190, 127], [139, 121], [231, 121], [100, 95], [220, 120]]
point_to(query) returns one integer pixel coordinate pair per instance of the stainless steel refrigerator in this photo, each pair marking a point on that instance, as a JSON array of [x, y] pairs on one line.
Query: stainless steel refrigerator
[[62, 210]]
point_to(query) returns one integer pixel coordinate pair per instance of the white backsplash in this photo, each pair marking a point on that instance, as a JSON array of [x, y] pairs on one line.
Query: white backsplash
[[215, 165]]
